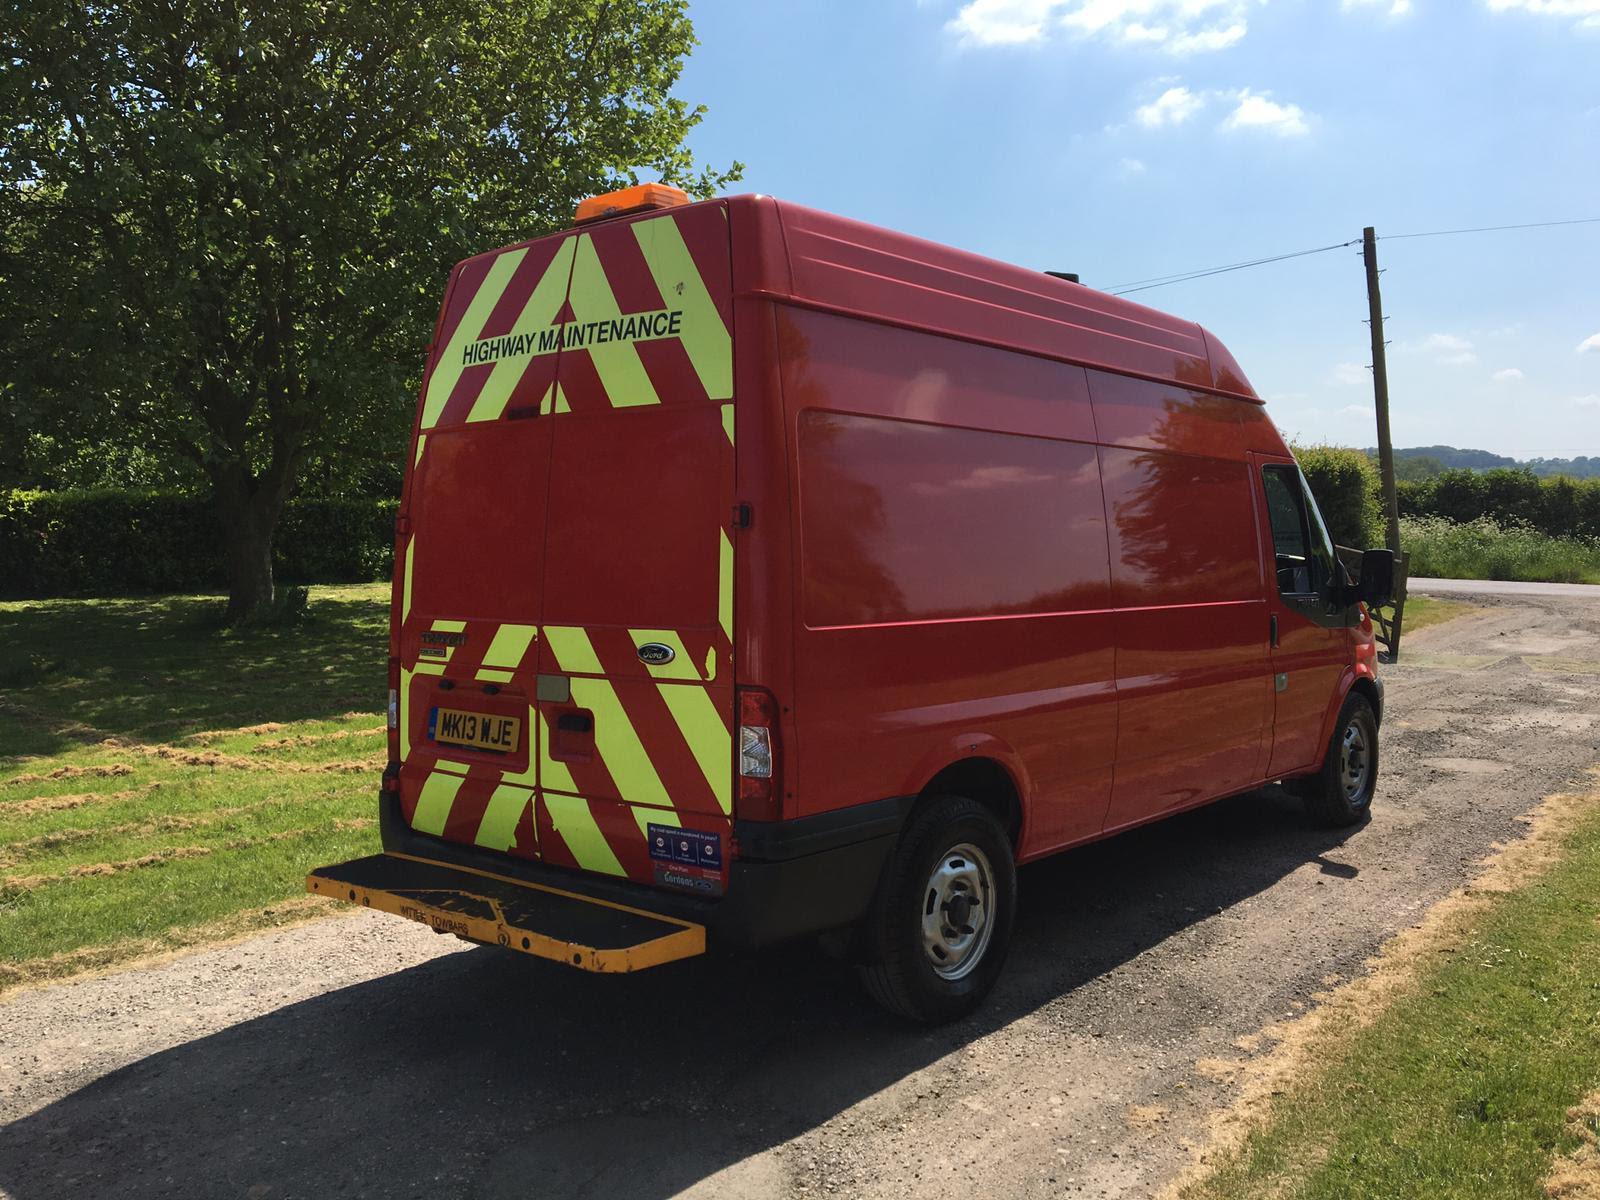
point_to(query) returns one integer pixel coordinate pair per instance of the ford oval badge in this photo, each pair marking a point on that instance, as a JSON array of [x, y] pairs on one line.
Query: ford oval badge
[[654, 654]]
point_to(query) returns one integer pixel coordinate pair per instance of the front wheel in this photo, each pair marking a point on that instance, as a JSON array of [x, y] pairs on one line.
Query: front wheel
[[1341, 792], [940, 925]]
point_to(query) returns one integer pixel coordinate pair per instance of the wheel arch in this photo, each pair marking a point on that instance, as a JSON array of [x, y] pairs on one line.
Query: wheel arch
[[984, 780]]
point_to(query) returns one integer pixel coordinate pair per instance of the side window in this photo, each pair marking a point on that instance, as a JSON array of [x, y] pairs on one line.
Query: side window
[[1321, 543], [1291, 533]]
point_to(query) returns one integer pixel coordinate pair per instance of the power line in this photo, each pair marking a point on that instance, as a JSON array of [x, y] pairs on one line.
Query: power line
[[1141, 285], [1144, 285], [1390, 237]]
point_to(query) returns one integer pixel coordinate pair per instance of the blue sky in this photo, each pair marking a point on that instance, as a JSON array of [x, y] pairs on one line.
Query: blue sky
[[1126, 139]]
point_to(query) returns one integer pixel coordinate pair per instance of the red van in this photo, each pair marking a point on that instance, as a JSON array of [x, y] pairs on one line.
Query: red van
[[763, 573]]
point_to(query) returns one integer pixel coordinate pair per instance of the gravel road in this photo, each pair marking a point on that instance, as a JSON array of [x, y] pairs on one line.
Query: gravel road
[[363, 1056]]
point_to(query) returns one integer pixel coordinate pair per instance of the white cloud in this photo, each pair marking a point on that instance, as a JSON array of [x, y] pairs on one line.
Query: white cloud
[[1257, 110], [1587, 11], [1173, 107], [1397, 8], [1590, 344], [1350, 373], [1589, 401], [1130, 168], [1175, 26], [1356, 410], [1449, 350], [1508, 375]]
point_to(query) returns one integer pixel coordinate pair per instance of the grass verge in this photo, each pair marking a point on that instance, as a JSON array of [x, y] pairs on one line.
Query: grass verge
[[1483, 549], [1453, 1069], [163, 782]]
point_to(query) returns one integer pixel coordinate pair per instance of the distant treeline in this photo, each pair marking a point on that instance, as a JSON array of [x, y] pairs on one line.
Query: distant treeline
[[1426, 462]]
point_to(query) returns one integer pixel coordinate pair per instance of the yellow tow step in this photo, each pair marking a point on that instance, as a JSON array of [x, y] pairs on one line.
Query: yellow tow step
[[581, 931]]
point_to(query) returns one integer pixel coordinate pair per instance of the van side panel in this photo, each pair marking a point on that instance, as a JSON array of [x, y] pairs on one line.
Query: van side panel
[[952, 571], [864, 270], [1191, 624]]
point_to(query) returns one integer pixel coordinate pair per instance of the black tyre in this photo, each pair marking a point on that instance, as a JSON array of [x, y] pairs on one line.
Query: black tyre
[[1341, 792], [940, 925]]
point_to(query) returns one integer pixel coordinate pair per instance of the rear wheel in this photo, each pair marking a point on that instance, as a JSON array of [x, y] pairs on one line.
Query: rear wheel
[[940, 925], [1341, 792]]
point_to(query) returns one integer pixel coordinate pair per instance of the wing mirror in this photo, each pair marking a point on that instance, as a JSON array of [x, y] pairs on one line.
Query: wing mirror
[[1376, 586]]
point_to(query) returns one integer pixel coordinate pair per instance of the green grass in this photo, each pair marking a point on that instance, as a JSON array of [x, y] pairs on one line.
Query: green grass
[[1482, 549], [1461, 1087], [159, 776], [1422, 611]]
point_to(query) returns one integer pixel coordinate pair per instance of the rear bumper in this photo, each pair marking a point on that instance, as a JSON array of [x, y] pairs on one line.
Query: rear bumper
[[790, 878]]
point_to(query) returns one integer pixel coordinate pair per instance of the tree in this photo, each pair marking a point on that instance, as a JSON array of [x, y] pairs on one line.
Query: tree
[[228, 226]]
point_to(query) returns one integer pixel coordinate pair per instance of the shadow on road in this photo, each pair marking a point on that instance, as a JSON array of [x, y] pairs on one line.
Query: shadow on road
[[488, 1074]]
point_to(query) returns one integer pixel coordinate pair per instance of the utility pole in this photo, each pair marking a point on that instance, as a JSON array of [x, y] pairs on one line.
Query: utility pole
[[1380, 388], [1380, 398]]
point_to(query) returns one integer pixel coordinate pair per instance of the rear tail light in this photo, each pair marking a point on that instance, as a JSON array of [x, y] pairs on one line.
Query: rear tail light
[[394, 710], [760, 784]]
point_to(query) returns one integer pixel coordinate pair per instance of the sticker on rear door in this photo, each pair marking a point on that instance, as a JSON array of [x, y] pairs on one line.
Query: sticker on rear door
[[690, 859]]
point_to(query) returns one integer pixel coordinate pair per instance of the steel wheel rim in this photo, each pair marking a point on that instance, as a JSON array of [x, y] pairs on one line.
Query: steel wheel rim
[[1355, 761], [958, 911]]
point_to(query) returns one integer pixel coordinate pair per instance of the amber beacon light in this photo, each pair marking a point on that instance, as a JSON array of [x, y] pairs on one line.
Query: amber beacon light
[[639, 198]]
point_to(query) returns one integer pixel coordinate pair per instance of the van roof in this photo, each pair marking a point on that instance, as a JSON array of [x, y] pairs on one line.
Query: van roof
[[800, 255]]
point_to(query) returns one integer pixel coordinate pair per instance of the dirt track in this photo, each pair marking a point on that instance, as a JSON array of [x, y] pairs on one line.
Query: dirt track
[[366, 1057]]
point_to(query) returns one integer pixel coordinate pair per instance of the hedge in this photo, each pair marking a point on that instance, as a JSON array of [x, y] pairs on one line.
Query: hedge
[[1345, 483], [112, 542], [1557, 506]]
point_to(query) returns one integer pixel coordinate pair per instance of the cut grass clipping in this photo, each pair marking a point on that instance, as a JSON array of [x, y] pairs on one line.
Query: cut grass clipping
[[1459, 1066], [163, 782]]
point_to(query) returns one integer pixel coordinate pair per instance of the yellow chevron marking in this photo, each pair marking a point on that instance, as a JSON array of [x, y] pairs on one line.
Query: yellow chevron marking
[[553, 773], [537, 315], [681, 666], [617, 363], [405, 586], [571, 646], [576, 824], [405, 714], [498, 829], [561, 400], [646, 817], [429, 668], [433, 806], [489, 675], [422, 440], [618, 745], [510, 643], [529, 777], [727, 422], [703, 728], [455, 768], [447, 367], [725, 586], [449, 626], [705, 338]]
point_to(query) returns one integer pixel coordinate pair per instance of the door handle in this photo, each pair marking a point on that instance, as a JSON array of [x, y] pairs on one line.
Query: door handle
[[1274, 628]]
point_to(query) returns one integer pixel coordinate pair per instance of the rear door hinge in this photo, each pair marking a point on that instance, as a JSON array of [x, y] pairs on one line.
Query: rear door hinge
[[742, 516]]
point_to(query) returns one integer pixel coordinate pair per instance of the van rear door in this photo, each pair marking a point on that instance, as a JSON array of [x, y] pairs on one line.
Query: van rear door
[[471, 569], [569, 568], [636, 658]]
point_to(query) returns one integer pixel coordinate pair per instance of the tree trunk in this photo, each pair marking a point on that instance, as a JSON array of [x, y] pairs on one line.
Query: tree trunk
[[247, 530]]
